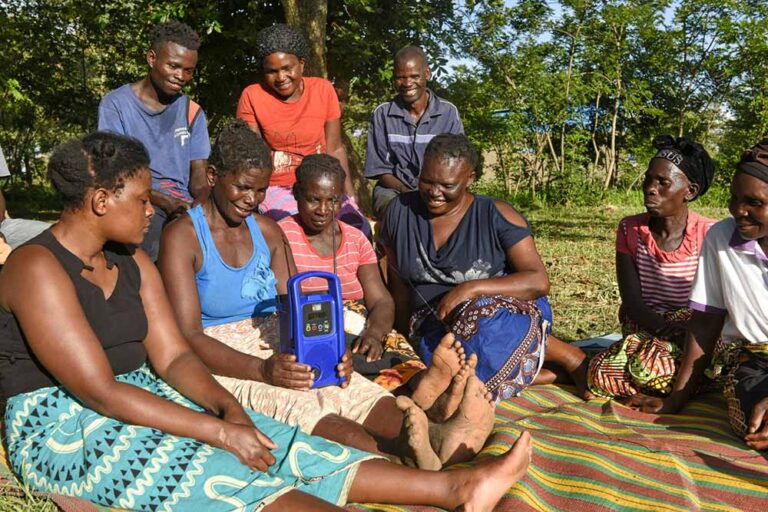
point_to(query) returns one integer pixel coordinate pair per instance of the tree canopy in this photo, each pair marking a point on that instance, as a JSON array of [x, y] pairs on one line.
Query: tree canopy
[[563, 96]]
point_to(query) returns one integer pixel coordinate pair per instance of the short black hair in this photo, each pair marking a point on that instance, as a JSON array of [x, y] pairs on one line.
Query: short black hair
[[281, 38], [450, 146], [174, 32], [99, 160], [314, 167], [238, 148], [406, 52]]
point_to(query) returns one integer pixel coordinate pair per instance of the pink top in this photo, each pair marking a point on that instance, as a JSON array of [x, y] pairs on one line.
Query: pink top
[[354, 250], [665, 277]]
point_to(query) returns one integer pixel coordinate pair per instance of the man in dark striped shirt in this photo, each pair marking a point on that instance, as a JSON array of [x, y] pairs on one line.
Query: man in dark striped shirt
[[401, 129]]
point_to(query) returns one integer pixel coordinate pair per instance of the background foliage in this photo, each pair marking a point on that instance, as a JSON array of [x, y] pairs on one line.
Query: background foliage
[[563, 96]]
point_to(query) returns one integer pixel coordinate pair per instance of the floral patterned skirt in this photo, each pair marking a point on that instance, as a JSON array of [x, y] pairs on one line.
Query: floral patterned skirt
[[640, 361], [508, 335]]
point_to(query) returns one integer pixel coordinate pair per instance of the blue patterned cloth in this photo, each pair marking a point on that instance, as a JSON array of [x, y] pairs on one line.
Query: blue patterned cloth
[[508, 335], [57, 445]]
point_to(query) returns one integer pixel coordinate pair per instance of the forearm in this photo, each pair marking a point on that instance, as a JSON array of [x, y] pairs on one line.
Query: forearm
[[703, 333], [380, 320], [136, 406], [341, 154], [198, 180], [164, 202], [188, 375], [390, 181], [525, 285], [223, 360], [645, 317]]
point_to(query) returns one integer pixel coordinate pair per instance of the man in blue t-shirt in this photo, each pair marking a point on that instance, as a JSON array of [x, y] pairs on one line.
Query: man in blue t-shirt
[[401, 129], [171, 126]]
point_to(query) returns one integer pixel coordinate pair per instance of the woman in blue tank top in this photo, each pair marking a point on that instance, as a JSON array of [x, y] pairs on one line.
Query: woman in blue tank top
[[223, 266]]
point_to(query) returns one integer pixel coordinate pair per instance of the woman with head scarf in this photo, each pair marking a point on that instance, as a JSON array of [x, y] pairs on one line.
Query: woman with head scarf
[[296, 115], [728, 299], [657, 254]]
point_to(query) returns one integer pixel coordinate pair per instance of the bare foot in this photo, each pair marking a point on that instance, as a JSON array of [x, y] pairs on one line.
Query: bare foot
[[447, 359], [482, 486], [446, 404], [460, 438], [414, 436]]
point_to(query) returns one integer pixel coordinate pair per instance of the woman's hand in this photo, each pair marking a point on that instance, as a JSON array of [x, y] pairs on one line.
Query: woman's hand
[[283, 371], [453, 298], [344, 368], [757, 430], [653, 404], [248, 444], [369, 345]]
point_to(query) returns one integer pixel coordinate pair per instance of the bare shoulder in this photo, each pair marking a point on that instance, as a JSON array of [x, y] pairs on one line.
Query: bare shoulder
[[29, 267], [510, 214], [272, 232], [180, 233]]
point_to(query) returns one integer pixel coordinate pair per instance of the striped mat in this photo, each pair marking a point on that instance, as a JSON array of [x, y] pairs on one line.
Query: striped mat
[[602, 456]]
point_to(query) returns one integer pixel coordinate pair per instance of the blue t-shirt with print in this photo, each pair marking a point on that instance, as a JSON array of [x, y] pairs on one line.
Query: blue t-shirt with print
[[171, 143]]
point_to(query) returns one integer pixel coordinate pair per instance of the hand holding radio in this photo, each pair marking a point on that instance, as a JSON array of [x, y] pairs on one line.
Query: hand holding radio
[[282, 370], [367, 344], [344, 368], [248, 444]]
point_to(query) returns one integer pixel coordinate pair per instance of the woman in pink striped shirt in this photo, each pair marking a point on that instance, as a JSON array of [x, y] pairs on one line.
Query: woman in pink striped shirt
[[379, 353], [656, 257]]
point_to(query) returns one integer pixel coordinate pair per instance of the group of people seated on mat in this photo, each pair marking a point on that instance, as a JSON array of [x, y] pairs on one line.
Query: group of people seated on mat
[[147, 377]]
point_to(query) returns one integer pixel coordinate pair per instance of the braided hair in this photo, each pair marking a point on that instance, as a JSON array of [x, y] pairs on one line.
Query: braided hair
[[314, 167], [450, 146], [99, 160], [174, 32], [238, 148], [281, 38]]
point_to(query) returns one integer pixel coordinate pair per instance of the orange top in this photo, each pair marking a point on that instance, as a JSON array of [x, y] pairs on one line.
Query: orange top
[[292, 130]]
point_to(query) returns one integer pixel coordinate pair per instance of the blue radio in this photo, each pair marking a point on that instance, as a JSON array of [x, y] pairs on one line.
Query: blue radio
[[312, 327]]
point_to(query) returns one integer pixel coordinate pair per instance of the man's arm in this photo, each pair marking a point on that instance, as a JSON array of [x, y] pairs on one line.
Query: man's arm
[[198, 180], [377, 164]]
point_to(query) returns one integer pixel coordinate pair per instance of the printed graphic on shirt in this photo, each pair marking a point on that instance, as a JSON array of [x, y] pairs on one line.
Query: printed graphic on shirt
[[182, 134]]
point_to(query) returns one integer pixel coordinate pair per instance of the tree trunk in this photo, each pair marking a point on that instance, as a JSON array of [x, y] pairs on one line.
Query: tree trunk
[[364, 200], [595, 147], [611, 164], [310, 17]]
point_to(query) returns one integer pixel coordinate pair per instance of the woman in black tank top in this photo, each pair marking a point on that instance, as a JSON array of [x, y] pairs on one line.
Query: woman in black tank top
[[81, 307]]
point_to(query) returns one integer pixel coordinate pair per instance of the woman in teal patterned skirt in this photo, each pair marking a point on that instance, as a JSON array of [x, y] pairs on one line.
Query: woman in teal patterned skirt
[[107, 402]]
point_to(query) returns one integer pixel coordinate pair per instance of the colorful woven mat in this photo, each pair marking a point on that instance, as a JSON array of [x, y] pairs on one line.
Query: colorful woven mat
[[602, 456]]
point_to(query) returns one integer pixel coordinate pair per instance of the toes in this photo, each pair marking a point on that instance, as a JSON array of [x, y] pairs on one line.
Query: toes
[[472, 362], [448, 340], [404, 403]]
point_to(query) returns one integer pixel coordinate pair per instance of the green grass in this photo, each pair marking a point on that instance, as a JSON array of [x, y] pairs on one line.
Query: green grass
[[577, 246]]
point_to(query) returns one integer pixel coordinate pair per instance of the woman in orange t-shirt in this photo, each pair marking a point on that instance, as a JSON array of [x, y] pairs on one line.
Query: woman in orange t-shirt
[[296, 116]]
